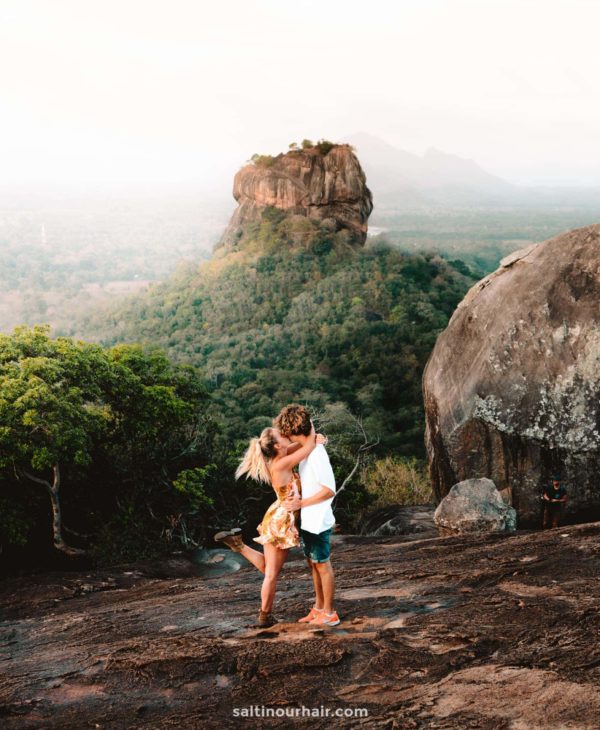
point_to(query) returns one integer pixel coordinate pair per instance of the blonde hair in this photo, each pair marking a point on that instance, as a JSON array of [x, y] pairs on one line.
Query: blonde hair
[[255, 462]]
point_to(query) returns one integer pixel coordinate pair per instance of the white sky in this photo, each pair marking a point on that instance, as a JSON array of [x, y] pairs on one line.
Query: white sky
[[167, 90]]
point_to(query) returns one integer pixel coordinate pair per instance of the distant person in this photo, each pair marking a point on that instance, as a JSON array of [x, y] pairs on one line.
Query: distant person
[[554, 497], [316, 516], [271, 458]]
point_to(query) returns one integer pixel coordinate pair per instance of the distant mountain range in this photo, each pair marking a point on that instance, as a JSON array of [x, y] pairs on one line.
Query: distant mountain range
[[400, 180]]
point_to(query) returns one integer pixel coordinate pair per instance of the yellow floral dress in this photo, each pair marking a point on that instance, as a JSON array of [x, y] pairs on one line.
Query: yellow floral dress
[[278, 526]]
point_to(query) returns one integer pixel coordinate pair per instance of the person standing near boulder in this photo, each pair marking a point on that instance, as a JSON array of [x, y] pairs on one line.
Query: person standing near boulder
[[316, 516], [553, 497]]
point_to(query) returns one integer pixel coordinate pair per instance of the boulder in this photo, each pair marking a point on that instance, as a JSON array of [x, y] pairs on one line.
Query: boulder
[[474, 505], [512, 387], [322, 186]]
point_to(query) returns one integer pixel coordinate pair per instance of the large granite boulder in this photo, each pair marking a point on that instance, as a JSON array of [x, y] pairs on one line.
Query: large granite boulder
[[474, 505], [319, 183], [512, 387]]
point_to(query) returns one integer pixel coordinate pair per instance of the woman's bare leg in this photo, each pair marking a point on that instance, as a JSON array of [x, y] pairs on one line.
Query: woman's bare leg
[[274, 559], [233, 539], [254, 556]]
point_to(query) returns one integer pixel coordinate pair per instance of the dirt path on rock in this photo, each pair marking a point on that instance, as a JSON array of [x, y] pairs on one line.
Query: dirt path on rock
[[490, 632]]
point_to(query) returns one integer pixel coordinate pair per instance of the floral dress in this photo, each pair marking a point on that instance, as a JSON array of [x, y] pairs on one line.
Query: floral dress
[[278, 526]]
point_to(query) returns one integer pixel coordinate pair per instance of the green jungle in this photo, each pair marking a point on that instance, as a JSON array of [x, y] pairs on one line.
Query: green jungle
[[121, 430], [144, 447]]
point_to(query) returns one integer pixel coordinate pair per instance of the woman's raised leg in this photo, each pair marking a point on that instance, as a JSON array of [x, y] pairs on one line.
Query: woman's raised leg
[[233, 539], [254, 556]]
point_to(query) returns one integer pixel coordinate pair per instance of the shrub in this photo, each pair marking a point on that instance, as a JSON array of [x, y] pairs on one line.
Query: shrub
[[394, 480], [324, 146], [262, 160]]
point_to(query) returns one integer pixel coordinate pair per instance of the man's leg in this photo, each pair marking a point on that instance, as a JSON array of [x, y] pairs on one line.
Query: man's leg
[[316, 577], [327, 581], [546, 522]]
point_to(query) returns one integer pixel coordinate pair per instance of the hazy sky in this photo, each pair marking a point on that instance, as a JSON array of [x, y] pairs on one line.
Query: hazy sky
[[169, 90]]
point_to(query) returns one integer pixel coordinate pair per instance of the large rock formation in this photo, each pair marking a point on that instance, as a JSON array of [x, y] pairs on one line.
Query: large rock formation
[[512, 386], [315, 183]]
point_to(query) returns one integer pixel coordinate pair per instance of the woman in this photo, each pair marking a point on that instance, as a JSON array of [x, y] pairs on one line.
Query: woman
[[271, 458]]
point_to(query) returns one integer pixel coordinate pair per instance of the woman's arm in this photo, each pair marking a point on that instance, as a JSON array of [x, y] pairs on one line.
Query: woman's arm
[[321, 439], [290, 460]]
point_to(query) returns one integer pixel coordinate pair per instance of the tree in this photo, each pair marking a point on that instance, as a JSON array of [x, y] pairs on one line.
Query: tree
[[324, 146], [307, 144], [125, 430], [159, 424], [51, 408]]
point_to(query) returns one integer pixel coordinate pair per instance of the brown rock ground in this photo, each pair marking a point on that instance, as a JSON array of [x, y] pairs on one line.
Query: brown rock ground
[[488, 632]]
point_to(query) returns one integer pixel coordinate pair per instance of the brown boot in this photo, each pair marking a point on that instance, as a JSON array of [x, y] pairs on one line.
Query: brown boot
[[266, 619], [231, 538]]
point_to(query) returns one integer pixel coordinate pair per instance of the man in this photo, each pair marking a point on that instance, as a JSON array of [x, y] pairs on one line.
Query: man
[[316, 516], [553, 496]]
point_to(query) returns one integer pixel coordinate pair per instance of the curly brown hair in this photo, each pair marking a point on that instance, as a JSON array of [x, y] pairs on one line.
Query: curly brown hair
[[293, 420]]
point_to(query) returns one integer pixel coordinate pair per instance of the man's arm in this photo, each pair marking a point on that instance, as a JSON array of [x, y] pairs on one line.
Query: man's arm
[[294, 503]]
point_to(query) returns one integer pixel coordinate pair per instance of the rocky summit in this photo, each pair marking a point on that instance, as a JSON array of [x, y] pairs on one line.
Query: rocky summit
[[323, 183], [488, 632], [512, 387]]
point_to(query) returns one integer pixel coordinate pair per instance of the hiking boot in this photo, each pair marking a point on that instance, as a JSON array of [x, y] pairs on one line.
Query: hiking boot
[[313, 613], [266, 619], [231, 538]]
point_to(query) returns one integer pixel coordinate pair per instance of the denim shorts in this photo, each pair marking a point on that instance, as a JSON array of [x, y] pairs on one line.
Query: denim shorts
[[316, 547]]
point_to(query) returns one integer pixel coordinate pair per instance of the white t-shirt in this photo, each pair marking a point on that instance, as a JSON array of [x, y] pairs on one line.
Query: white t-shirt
[[316, 473]]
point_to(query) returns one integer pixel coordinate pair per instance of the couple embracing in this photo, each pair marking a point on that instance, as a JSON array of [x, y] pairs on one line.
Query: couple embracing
[[303, 497]]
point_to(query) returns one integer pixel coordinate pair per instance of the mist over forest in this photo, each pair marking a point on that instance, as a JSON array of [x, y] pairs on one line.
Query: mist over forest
[[71, 248]]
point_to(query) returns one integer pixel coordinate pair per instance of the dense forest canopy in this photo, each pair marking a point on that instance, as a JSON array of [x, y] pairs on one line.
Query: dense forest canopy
[[108, 444], [301, 316], [147, 426]]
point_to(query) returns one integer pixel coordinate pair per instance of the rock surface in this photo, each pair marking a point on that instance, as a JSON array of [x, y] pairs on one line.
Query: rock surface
[[493, 632], [512, 387], [323, 187], [474, 505], [412, 521]]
